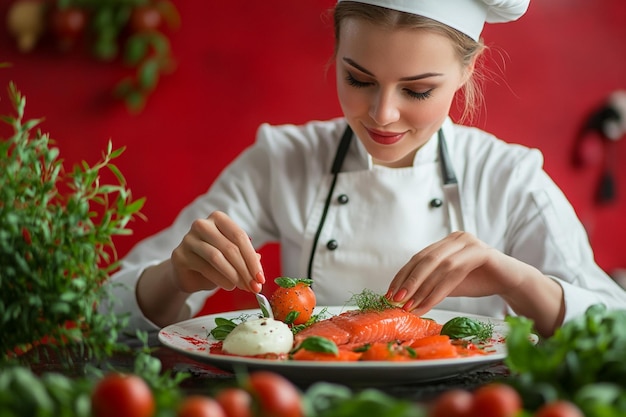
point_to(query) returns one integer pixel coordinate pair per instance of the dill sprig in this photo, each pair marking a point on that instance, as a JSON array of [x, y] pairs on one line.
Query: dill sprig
[[369, 300], [322, 315]]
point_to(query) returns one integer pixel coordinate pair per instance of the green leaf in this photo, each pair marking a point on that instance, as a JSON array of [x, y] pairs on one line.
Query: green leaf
[[318, 344], [291, 317], [135, 206], [148, 75], [467, 328], [135, 100], [222, 328], [219, 321], [135, 50], [115, 153], [287, 282]]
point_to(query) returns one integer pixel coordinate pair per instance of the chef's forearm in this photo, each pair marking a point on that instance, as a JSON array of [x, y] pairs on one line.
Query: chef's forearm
[[539, 298], [159, 299]]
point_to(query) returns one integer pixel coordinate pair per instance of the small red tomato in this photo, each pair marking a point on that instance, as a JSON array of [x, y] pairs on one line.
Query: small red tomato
[[453, 403], [200, 406], [236, 402], [559, 408], [120, 395], [276, 395], [68, 23], [496, 400], [293, 296], [145, 18]]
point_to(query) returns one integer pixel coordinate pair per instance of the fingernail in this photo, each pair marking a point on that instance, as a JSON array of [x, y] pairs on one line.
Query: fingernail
[[389, 294], [408, 305], [400, 295], [256, 287], [260, 278]]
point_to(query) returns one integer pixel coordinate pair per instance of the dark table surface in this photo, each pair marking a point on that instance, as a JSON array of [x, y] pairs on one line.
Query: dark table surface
[[205, 378]]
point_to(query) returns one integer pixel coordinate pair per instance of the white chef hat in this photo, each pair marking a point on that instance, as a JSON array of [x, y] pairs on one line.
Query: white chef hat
[[467, 16]]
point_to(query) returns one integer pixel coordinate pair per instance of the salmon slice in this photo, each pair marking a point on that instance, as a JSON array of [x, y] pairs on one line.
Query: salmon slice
[[358, 327]]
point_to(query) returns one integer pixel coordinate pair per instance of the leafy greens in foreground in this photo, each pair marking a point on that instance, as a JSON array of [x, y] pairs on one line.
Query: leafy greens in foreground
[[584, 362]]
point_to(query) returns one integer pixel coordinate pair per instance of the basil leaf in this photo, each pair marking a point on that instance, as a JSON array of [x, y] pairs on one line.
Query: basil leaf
[[219, 321], [222, 328], [287, 282], [291, 317], [318, 344], [467, 328]]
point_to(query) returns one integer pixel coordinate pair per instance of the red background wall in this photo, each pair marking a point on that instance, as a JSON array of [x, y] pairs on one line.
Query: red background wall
[[240, 64]]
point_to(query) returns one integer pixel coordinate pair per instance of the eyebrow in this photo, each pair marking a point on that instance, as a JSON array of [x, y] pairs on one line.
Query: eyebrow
[[410, 78]]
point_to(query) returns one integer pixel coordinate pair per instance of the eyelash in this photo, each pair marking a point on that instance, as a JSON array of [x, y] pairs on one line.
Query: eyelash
[[412, 94]]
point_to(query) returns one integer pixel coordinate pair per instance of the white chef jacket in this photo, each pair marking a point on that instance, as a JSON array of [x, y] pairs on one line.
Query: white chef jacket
[[276, 191]]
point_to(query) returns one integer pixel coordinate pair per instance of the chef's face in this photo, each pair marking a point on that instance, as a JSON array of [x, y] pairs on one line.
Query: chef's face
[[395, 87]]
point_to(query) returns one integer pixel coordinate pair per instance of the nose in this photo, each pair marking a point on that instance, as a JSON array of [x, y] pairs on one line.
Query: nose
[[384, 108]]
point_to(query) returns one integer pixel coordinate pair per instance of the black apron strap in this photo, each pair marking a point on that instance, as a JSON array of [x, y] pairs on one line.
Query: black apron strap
[[340, 156], [342, 150], [447, 172]]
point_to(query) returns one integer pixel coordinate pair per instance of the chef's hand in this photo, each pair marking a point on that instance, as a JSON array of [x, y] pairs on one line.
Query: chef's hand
[[458, 265], [216, 253]]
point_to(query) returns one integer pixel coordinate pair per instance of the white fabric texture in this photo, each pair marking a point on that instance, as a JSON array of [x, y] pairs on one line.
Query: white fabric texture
[[467, 16]]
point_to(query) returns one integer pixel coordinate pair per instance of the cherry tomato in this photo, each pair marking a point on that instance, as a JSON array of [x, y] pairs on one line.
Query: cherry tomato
[[120, 395], [200, 406], [68, 23], [298, 298], [559, 408], [453, 403], [236, 402], [276, 395], [496, 400], [145, 18]]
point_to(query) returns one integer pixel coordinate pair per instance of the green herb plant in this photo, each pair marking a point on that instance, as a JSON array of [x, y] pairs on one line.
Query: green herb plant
[[584, 362], [56, 247]]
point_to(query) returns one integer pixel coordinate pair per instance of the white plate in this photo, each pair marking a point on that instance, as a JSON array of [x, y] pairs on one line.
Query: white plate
[[193, 338]]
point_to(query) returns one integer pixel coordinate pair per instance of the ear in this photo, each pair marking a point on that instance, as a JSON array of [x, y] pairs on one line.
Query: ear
[[468, 71]]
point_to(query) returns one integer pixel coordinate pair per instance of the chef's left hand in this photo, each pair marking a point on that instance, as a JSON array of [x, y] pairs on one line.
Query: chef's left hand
[[458, 265]]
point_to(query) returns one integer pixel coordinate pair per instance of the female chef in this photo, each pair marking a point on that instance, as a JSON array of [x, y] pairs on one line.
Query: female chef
[[392, 197]]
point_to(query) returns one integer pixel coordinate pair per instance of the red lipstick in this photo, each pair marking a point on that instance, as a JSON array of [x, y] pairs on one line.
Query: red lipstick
[[385, 138]]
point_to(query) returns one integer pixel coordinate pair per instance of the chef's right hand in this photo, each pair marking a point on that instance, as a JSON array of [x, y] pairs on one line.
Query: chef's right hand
[[216, 252]]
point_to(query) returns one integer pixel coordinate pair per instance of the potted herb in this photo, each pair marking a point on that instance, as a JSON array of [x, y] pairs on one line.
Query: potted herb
[[56, 247]]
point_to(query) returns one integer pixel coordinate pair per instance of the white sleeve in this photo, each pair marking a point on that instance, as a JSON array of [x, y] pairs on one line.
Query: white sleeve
[[548, 234]]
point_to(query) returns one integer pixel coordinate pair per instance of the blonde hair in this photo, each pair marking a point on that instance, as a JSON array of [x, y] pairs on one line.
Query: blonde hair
[[467, 49]]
